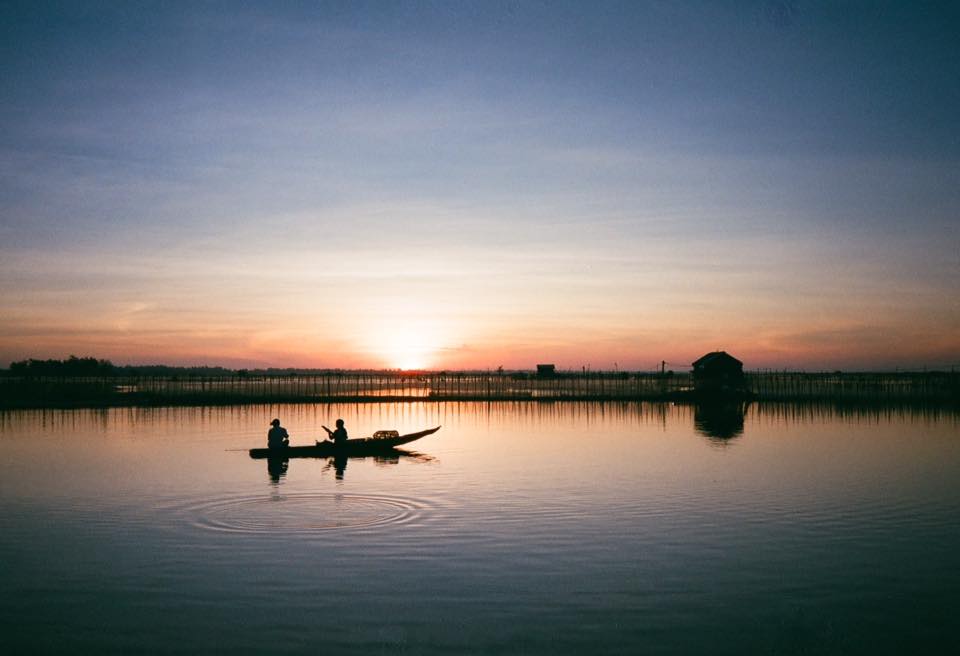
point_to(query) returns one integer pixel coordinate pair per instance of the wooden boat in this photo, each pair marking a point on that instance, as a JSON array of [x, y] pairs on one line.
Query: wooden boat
[[381, 442]]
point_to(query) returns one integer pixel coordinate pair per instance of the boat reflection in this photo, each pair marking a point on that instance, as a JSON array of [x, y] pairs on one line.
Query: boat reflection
[[390, 457], [277, 468], [719, 422]]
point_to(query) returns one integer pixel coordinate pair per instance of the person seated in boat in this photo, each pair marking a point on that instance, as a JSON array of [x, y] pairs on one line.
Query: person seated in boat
[[338, 436], [277, 436]]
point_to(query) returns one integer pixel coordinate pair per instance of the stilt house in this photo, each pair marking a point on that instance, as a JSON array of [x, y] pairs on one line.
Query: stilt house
[[717, 372]]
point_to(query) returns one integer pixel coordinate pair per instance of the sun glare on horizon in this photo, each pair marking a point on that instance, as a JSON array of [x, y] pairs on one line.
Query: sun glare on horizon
[[404, 345]]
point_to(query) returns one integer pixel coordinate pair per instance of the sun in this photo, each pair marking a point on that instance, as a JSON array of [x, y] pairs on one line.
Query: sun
[[406, 346], [411, 362]]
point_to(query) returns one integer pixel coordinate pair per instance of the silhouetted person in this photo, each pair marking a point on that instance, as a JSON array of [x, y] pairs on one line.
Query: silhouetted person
[[277, 436], [338, 436]]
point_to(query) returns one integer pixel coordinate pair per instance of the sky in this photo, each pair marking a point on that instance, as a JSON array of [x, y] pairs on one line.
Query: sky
[[457, 185]]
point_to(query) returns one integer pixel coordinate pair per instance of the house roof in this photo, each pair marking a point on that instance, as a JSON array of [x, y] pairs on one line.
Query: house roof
[[716, 357]]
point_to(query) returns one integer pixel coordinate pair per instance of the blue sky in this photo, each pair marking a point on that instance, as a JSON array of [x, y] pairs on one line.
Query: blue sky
[[262, 183]]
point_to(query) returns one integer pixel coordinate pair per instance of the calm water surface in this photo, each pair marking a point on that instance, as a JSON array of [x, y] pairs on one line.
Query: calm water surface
[[517, 529]]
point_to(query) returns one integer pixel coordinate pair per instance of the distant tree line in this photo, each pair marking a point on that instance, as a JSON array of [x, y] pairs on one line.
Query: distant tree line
[[72, 366], [89, 367]]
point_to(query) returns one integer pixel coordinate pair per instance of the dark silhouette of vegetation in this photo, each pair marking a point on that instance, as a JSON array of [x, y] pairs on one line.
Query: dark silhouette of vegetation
[[71, 367], [74, 367]]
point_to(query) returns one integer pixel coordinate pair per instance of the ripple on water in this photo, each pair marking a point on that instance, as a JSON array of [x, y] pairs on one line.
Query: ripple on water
[[301, 513]]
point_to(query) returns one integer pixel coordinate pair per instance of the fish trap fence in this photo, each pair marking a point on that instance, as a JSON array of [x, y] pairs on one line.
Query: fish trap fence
[[18, 392]]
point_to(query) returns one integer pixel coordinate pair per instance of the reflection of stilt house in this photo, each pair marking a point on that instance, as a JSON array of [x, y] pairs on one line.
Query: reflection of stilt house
[[719, 420], [718, 372]]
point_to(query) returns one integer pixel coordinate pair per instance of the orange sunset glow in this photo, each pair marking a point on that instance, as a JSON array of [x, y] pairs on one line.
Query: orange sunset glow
[[593, 202]]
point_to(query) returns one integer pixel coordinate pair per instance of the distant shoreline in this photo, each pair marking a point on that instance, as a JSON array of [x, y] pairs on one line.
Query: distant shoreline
[[24, 392]]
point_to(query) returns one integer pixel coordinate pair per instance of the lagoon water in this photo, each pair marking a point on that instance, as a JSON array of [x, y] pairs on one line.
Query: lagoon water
[[519, 528]]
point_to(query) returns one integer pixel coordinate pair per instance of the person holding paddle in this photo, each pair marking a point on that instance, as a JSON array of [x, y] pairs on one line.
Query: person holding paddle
[[338, 436]]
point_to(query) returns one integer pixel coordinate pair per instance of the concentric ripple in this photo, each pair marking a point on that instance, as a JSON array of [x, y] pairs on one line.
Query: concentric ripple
[[301, 513]]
